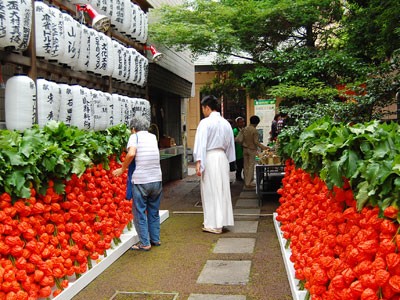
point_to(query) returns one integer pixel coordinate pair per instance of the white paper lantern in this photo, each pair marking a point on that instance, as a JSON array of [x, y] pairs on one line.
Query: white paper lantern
[[142, 108], [136, 78], [143, 70], [20, 103], [99, 110], [58, 38], [128, 13], [82, 110], [133, 65], [72, 36], [15, 24], [130, 103], [134, 23], [117, 18], [117, 109], [48, 101], [56, 100], [118, 55], [139, 23], [66, 104], [106, 64], [145, 28], [126, 71], [110, 109], [126, 106], [94, 51], [103, 6], [110, 57], [84, 53], [43, 30]]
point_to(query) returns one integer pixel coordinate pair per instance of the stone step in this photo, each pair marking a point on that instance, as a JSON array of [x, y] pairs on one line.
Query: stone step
[[248, 203], [225, 272], [235, 245], [246, 213], [244, 227], [215, 297]]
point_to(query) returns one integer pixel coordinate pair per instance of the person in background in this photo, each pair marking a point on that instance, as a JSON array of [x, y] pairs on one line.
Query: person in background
[[238, 148], [274, 127], [281, 123], [146, 183], [250, 145], [214, 149]]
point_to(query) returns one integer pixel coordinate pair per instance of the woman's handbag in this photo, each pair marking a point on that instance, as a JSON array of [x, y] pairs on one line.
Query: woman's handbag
[[131, 169]]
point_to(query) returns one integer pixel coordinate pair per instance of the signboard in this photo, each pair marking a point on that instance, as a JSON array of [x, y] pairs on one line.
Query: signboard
[[265, 110]]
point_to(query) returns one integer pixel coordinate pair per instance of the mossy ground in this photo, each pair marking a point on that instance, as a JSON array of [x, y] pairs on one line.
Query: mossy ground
[[175, 266]]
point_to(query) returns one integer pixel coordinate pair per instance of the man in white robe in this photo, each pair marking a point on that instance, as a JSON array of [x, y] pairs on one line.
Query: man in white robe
[[214, 148]]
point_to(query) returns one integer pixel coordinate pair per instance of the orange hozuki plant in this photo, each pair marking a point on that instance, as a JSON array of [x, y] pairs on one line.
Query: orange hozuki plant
[[46, 239], [337, 251]]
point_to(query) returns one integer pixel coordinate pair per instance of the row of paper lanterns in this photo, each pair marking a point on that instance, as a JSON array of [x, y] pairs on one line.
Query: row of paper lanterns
[[28, 103], [16, 21], [61, 38], [127, 17]]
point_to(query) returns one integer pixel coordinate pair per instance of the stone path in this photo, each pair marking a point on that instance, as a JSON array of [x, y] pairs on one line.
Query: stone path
[[233, 272]]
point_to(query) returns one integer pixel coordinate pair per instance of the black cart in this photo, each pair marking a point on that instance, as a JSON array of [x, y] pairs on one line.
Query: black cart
[[268, 180]]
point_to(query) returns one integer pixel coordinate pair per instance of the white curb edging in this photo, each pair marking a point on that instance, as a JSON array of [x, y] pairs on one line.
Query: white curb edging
[[128, 238], [286, 253]]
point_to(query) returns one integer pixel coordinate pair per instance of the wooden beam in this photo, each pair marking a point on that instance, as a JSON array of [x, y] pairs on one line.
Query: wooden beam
[[15, 58]]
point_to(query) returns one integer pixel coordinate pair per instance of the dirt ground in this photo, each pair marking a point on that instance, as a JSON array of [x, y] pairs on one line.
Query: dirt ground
[[171, 271]]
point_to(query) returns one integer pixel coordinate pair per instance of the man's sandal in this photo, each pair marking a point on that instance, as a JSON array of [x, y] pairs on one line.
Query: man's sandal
[[157, 244], [212, 230], [139, 247]]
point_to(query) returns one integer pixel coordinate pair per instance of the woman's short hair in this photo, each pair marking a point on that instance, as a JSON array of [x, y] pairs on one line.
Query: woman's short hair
[[254, 120], [210, 101], [139, 123]]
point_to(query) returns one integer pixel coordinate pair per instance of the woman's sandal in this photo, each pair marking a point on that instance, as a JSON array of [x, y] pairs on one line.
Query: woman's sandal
[[139, 247], [157, 244]]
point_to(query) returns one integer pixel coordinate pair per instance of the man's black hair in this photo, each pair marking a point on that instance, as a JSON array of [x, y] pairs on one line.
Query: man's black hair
[[254, 120], [210, 101]]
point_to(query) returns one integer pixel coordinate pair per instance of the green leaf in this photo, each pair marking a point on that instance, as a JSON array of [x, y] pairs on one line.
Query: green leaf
[[17, 179], [80, 163], [382, 149], [335, 175], [15, 158], [350, 164], [362, 195]]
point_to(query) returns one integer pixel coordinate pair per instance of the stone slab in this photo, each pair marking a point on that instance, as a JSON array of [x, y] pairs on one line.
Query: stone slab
[[246, 213], [235, 245], [215, 297], [244, 227], [225, 272], [247, 203], [249, 194]]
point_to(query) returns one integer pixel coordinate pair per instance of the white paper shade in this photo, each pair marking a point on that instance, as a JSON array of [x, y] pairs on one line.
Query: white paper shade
[[20, 103], [15, 24], [48, 101], [66, 104]]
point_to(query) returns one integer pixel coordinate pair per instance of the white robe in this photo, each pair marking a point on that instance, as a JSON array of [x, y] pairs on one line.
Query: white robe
[[214, 146], [213, 132]]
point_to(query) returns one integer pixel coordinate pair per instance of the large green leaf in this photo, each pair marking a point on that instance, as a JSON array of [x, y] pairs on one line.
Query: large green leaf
[[350, 163], [80, 163], [362, 195], [15, 158]]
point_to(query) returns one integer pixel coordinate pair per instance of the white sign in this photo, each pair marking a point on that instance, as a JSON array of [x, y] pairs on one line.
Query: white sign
[[265, 110]]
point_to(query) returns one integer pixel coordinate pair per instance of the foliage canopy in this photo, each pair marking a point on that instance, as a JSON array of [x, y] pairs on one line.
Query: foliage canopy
[[300, 50]]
